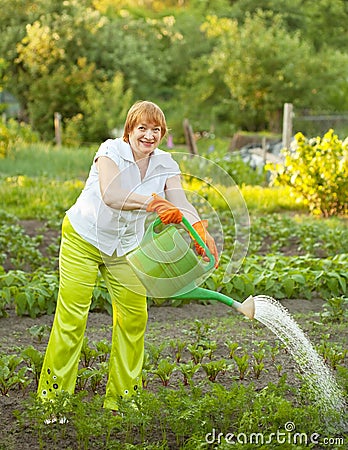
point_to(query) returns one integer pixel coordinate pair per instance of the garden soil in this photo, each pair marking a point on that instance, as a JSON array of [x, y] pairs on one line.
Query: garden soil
[[165, 322]]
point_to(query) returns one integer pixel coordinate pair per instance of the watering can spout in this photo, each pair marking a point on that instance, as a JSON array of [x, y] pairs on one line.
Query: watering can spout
[[247, 307]]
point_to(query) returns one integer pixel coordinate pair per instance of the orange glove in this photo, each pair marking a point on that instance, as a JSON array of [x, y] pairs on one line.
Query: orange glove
[[168, 213], [201, 228]]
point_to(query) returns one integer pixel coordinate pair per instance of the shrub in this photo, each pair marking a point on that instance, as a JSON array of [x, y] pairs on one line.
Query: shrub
[[13, 133], [317, 172]]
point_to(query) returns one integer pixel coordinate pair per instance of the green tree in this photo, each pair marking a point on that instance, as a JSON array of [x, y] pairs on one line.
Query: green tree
[[264, 66], [321, 22], [102, 109]]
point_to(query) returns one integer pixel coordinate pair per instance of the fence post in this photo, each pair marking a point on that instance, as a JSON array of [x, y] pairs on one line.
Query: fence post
[[190, 138], [58, 128], [287, 124]]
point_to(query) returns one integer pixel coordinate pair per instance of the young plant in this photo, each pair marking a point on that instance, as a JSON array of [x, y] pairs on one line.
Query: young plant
[[274, 351], [103, 348], [178, 346], [242, 364], [164, 370], [201, 330], [188, 370], [38, 331], [88, 354], [333, 354], [98, 376], [155, 351], [257, 369], [279, 369], [34, 360], [213, 368], [197, 352], [232, 347], [335, 309], [9, 378]]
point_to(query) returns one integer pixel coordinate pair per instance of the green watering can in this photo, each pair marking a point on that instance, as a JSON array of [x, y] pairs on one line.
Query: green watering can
[[168, 267]]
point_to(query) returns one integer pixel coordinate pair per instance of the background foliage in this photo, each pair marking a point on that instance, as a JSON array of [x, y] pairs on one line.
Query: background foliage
[[226, 64]]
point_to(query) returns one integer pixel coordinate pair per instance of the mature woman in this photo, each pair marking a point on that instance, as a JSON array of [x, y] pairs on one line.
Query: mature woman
[[129, 178]]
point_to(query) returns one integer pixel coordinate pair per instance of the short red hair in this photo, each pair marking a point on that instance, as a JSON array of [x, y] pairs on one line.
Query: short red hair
[[147, 112]]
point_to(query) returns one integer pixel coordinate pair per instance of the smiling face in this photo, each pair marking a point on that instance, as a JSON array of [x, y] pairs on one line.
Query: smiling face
[[144, 138]]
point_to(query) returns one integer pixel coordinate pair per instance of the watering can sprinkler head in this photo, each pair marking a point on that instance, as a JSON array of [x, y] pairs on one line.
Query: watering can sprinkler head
[[247, 307]]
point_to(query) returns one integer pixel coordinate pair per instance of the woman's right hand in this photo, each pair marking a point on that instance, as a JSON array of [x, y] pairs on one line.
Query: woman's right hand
[[167, 212]]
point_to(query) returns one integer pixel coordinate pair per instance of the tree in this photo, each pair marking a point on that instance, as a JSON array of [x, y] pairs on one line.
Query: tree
[[264, 66], [321, 22]]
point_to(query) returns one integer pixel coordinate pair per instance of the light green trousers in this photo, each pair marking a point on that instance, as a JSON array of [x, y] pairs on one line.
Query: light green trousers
[[79, 263]]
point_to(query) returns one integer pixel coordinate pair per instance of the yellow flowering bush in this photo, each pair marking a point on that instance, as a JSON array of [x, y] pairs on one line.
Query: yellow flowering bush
[[316, 170]]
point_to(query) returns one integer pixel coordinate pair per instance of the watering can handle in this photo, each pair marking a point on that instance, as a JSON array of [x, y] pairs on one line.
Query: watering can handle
[[193, 233]]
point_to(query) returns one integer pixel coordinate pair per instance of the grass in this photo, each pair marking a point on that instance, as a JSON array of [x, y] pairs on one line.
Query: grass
[[47, 161]]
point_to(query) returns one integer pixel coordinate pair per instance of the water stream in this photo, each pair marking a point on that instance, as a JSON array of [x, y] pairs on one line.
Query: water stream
[[321, 382]]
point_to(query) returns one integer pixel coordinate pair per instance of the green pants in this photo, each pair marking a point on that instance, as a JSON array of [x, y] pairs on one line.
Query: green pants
[[79, 263]]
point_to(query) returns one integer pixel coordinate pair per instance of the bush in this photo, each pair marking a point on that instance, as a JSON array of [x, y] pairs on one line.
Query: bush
[[13, 133], [317, 172]]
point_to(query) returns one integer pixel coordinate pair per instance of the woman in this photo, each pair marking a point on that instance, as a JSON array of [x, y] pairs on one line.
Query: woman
[[128, 179]]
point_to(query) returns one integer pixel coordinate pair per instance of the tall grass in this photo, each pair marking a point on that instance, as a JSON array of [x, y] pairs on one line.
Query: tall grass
[[44, 160]]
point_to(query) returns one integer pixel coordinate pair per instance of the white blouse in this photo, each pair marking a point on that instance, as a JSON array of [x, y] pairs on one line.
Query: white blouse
[[110, 229]]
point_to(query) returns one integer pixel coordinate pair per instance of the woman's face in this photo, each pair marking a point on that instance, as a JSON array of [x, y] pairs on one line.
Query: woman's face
[[144, 138]]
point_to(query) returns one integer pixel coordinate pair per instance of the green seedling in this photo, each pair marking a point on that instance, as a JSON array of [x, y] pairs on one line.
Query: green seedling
[[38, 332], [178, 346], [98, 376], [164, 370], [103, 348], [232, 347], [188, 370], [335, 309], [213, 368], [197, 352], [83, 376], [88, 354], [201, 330], [333, 354], [258, 356], [34, 360], [242, 364], [274, 350], [155, 351], [257, 369], [279, 369], [145, 378], [9, 378]]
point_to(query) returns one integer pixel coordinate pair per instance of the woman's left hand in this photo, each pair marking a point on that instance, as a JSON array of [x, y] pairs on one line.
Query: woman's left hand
[[201, 228]]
